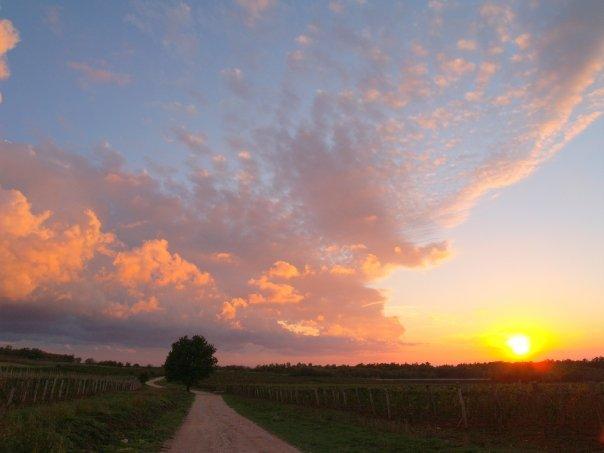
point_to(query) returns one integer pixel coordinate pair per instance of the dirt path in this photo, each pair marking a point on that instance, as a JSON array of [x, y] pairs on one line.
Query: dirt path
[[213, 427], [154, 382]]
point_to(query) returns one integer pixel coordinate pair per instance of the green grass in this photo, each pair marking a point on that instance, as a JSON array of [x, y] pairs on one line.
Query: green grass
[[138, 421], [324, 430]]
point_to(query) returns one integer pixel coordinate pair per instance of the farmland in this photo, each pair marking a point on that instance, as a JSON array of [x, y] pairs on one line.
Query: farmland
[[24, 385], [52, 402], [552, 413]]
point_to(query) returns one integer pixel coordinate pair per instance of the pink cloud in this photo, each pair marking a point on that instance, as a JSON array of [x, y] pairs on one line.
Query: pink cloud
[[255, 9]]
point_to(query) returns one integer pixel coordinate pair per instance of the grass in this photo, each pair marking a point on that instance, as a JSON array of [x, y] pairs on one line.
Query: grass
[[139, 421], [325, 430]]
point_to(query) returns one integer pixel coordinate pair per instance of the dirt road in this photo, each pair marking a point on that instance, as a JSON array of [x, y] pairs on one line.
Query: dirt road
[[154, 382], [213, 427]]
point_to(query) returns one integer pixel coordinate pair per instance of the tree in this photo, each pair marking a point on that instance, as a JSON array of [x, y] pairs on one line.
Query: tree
[[190, 360]]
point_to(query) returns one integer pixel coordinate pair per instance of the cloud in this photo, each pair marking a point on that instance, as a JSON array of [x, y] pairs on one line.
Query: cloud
[[99, 75], [255, 9], [196, 142], [353, 163], [34, 252], [122, 311], [152, 264], [171, 24], [236, 82], [276, 292], [9, 37], [466, 44], [52, 18]]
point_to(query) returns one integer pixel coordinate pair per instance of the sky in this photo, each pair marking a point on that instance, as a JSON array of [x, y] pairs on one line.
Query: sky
[[331, 182]]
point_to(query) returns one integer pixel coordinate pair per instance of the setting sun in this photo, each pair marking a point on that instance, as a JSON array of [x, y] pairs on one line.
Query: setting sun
[[519, 344]]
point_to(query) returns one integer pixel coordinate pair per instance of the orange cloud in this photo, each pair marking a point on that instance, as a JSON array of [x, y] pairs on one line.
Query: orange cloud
[[282, 269], [9, 37], [305, 328], [121, 311], [229, 308], [276, 293], [152, 263], [33, 252]]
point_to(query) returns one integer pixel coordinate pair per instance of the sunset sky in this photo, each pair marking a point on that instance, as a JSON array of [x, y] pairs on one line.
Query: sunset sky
[[338, 181]]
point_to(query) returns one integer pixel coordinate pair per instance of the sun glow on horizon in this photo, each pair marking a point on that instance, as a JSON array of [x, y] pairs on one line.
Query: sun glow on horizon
[[519, 344]]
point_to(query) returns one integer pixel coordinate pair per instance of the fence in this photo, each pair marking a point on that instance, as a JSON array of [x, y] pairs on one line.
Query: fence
[[573, 407], [20, 386]]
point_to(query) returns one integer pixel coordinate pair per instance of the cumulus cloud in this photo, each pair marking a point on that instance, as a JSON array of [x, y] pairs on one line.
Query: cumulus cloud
[[153, 264], [35, 252]]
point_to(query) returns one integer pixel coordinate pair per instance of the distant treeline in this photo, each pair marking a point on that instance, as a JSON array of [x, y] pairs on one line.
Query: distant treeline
[[37, 354], [547, 370]]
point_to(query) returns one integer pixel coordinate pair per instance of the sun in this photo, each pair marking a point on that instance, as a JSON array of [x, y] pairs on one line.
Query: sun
[[520, 344]]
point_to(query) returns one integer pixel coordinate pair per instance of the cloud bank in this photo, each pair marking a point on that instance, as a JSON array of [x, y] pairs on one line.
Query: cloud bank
[[273, 237]]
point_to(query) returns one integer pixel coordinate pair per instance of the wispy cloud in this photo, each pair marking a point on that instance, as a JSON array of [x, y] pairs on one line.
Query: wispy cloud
[[91, 74]]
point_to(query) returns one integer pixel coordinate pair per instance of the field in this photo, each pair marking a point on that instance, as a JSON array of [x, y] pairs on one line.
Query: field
[[23, 385], [65, 406], [122, 421], [551, 414]]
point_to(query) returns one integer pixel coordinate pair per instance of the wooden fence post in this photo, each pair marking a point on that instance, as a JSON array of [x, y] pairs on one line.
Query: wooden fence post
[[52, 390], [61, 388], [45, 388], [387, 403], [10, 396], [317, 397], [432, 407], [464, 415], [36, 390], [25, 386], [371, 401]]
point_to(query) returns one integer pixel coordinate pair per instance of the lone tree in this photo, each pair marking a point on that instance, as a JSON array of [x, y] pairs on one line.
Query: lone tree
[[190, 360]]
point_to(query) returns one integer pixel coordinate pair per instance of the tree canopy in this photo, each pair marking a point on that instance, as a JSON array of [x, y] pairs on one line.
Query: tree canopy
[[190, 360]]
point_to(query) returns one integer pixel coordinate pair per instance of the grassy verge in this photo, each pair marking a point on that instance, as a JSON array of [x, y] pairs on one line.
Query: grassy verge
[[125, 422], [324, 430]]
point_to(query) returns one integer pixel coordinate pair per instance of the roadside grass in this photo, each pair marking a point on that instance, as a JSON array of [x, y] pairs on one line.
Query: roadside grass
[[326, 430], [139, 421]]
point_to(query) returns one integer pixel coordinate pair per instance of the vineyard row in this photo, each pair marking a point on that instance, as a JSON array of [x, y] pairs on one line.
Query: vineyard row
[[576, 407], [19, 390]]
